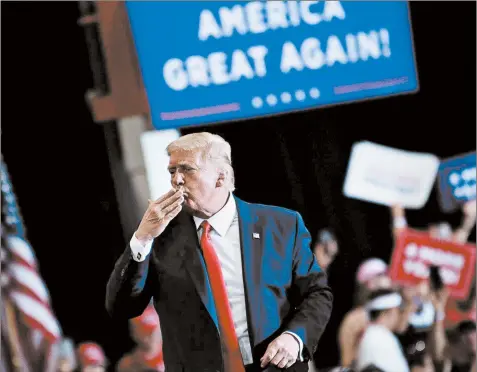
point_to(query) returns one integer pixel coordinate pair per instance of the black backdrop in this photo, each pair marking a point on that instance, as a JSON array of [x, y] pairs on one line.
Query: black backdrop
[[59, 166]]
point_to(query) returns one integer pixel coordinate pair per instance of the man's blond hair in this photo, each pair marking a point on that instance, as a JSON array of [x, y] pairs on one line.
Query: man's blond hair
[[213, 147]]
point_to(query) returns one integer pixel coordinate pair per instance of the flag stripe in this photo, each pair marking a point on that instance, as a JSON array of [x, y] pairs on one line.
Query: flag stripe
[[36, 313], [30, 280], [21, 249]]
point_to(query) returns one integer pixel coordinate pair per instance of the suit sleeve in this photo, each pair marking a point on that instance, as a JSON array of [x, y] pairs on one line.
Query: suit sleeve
[[130, 286], [312, 297]]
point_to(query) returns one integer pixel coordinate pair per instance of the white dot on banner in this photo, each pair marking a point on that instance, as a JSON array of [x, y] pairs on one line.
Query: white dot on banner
[[271, 99], [411, 250], [257, 102], [285, 97], [300, 95], [468, 174], [314, 93], [454, 179]]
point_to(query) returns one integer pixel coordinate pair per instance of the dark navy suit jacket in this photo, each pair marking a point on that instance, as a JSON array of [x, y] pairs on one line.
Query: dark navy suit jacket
[[284, 286]]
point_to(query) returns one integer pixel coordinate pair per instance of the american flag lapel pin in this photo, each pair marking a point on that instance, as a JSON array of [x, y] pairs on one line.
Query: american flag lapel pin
[[256, 235]]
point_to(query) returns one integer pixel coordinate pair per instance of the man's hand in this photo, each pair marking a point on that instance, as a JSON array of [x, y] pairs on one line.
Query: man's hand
[[469, 209], [439, 299], [323, 259], [282, 352], [158, 215]]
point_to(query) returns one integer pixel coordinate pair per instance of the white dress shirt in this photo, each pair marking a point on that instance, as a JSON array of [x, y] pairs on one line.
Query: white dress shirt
[[379, 346], [225, 238]]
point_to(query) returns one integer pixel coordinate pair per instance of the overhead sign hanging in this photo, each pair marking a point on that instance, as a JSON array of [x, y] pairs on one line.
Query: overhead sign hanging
[[205, 62]]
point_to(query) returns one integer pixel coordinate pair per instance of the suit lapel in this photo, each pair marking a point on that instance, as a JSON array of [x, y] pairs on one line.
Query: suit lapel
[[194, 262], [251, 239]]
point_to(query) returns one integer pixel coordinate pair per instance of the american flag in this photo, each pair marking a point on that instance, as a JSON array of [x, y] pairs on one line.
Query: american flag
[[24, 290]]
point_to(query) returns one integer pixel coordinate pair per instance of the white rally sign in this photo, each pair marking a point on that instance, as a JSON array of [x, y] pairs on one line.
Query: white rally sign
[[388, 176]]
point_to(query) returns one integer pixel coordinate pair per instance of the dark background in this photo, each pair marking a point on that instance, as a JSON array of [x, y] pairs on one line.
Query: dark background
[[58, 160]]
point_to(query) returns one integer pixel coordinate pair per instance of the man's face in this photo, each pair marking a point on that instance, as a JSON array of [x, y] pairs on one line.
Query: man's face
[[325, 253], [379, 282], [196, 176], [394, 318], [331, 248]]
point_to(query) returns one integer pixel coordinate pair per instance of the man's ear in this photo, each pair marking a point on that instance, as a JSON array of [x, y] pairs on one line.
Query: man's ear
[[220, 179]]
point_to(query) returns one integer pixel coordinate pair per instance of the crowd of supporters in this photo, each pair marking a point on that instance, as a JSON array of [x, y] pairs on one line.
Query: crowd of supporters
[[391, 328]]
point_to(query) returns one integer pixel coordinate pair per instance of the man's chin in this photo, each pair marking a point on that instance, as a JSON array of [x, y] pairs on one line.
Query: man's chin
[[188, 206], [193, 209]]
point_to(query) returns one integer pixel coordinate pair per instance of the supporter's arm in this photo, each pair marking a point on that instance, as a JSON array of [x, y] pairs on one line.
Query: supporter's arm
[[398, 220], [438, 342], [407, 310], [437, 337], [348, 334], [461, 234]]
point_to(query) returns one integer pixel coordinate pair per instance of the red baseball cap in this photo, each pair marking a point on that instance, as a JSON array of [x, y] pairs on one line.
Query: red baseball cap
[[147, 322], [91, 354]]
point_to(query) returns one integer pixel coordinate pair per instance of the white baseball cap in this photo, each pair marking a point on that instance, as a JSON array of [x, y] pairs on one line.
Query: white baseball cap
[[370, 269]]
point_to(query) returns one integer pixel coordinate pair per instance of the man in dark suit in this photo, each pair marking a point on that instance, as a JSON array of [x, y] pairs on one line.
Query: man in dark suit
[[235, 284]]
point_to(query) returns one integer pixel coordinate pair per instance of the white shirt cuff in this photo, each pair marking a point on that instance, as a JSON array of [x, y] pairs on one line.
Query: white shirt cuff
[[300, 343], [139, 252]]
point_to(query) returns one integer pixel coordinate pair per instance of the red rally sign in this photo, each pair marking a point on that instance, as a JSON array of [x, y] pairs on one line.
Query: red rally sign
[[416, 251]]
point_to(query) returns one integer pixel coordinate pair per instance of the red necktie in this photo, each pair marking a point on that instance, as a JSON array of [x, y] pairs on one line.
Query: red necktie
[[232, 356]]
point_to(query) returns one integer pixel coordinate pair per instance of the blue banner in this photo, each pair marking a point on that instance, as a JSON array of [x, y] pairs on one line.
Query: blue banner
[[457, 181], [205, 62]]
